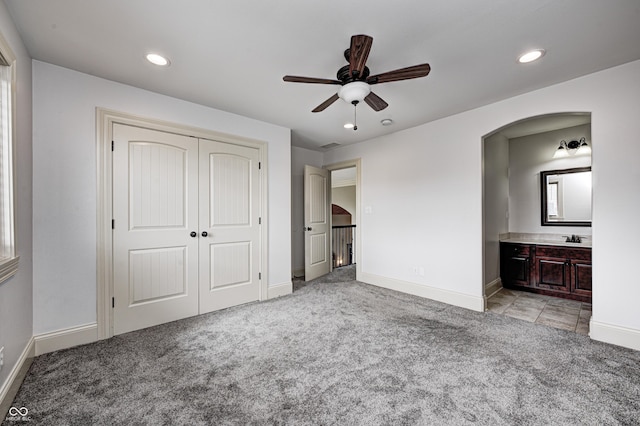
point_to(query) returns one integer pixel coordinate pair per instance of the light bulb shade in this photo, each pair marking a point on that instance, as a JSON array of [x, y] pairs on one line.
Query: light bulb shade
[[561, 152], [354, 91], [584, 149]]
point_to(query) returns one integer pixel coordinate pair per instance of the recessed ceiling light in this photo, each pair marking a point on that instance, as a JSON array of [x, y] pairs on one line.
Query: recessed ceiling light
[[156, 59], [348, 126], [531, 56], [386, 122]]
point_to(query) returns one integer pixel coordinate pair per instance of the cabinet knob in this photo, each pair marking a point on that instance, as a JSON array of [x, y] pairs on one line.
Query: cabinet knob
[[193, 234], [204, 233]]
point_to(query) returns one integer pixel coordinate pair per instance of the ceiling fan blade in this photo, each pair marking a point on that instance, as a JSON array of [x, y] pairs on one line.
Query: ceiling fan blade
[[415, 71], [375, 102], [359, 52], [296, 79], [326, 103]]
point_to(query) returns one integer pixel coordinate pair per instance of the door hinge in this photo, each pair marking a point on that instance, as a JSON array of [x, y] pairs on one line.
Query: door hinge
[[259, 275], [112, 146], [113, 224], [259, 221], [113, 302], [259, 165]]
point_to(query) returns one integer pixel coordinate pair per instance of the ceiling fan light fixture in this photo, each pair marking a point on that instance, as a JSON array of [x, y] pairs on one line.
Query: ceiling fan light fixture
[[531, 56], [158, 60], [354, 91]]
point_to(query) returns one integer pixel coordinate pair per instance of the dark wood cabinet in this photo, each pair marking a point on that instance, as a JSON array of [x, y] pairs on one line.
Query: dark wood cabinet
[[554, 270], [515, 261]]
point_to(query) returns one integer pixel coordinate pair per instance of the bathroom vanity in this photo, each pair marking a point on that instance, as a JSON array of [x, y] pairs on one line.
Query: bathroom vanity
[[552, 267]]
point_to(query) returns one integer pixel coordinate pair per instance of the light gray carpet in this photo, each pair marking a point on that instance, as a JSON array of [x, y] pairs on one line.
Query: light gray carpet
[[338, 353]]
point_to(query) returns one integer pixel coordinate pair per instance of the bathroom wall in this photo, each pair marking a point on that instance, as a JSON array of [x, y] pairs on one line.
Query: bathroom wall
[[528, 156], [496, 202]]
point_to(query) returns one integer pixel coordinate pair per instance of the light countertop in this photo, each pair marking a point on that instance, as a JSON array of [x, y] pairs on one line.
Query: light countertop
[[544, 239]]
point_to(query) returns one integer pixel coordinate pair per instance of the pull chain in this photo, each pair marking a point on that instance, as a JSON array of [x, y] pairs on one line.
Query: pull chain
[[355, 116]]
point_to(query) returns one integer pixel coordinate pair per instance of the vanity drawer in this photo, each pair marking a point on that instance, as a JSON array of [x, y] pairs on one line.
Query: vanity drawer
[[564, 252], [519, 250]]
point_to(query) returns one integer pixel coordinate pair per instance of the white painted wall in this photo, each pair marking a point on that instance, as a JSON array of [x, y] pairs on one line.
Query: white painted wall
[[435, 170], [64, 180], [16, 311], [528, 156], [345, 197], [299, 158], [496, 202]]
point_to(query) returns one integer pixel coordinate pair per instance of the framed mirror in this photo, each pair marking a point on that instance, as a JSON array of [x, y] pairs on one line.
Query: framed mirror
[[566, 197]]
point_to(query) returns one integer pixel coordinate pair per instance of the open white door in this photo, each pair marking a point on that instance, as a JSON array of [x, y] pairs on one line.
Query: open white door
[[317, 237]]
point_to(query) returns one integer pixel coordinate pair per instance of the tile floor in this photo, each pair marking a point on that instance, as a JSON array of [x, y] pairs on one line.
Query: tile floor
[[565, 314]]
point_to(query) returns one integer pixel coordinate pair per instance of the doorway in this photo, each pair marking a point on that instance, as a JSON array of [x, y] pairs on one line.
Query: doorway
[[343, 217], [355, 239], [346, 190], [514, 158]]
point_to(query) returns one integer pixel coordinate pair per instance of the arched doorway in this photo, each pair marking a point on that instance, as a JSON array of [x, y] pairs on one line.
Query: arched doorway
[[532, 284]]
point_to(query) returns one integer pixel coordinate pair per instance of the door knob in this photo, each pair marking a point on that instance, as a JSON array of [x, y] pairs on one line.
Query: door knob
[[309, 228], [193, 234], [204, 233]]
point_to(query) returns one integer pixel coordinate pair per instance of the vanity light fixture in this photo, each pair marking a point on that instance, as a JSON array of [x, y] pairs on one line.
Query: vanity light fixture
[[156, 59], [574, 147], [348, 125]]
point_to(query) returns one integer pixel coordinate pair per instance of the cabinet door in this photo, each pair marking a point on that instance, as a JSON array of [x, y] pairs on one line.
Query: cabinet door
[[581, 274], [553, 273], [515, 266]]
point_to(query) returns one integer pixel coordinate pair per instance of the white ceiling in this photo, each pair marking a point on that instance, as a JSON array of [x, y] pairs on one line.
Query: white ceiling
[[232, 55]]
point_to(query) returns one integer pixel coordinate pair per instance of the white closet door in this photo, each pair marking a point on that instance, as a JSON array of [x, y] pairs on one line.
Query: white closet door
[[229, 219], [155, 209]]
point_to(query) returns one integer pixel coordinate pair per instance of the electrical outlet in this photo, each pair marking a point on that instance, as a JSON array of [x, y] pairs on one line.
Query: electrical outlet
[[1, 357]]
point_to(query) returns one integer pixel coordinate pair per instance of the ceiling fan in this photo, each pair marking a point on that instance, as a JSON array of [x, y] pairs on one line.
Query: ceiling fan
[[355, 79]]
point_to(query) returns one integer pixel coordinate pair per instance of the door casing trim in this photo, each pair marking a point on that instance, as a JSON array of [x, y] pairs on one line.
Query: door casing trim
[[105, 119]]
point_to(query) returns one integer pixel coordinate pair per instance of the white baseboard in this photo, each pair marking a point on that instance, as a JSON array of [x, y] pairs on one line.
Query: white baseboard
[[9, 389], [492, 288], [467, 301], [279, 290], [68, 338], [614, 334]]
